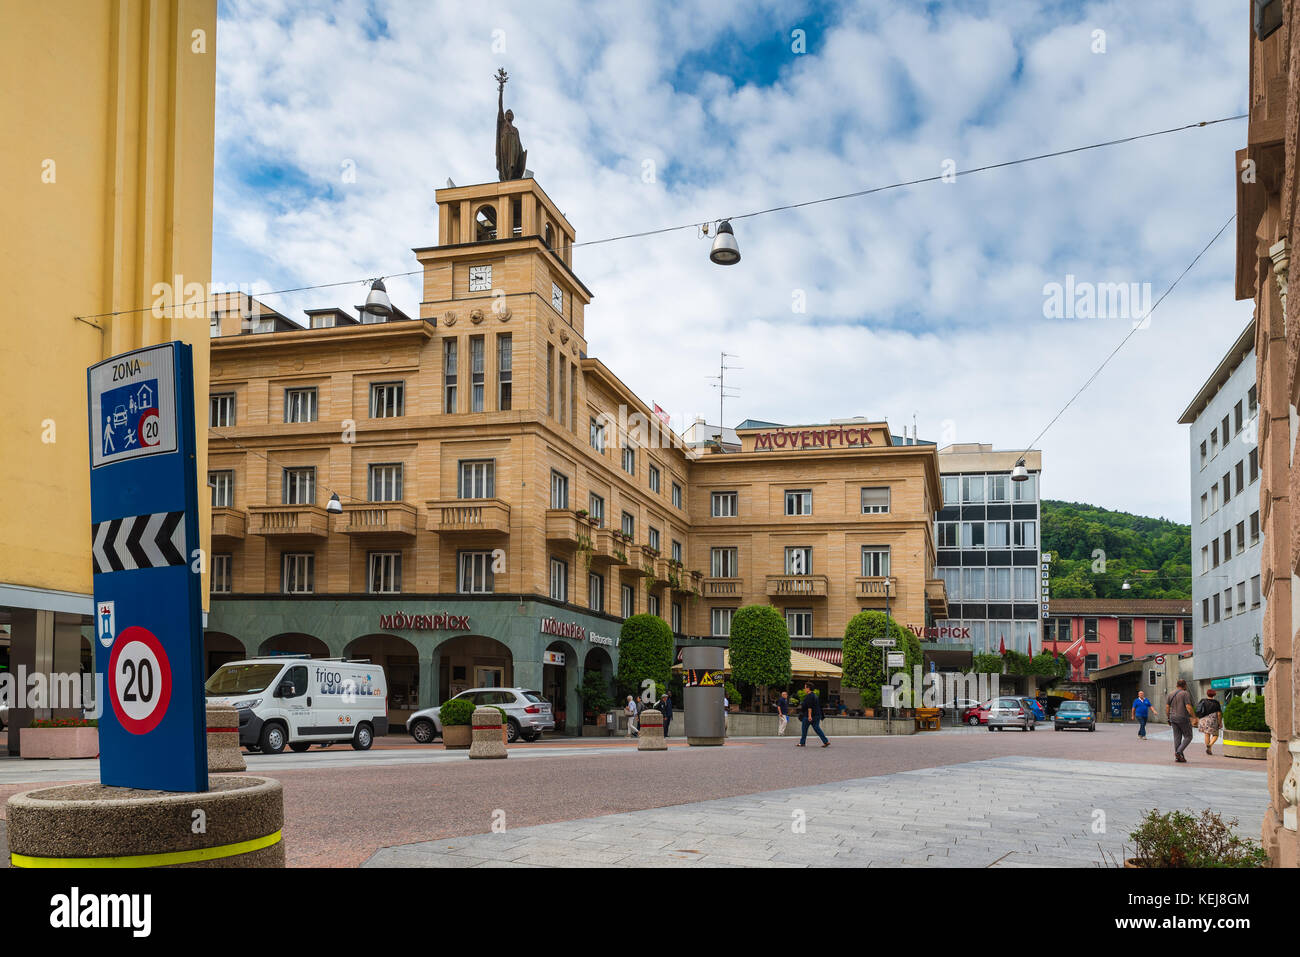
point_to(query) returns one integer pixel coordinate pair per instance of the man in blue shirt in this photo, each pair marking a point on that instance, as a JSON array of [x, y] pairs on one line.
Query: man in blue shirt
[[1142, 707]]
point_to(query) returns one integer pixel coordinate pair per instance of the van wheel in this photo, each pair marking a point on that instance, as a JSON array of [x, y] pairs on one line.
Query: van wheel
[[423, 731], [274, 738], [363, 739], [299, 746], [512, 730]]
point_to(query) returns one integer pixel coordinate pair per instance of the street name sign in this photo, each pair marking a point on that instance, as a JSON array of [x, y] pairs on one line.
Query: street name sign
[[144, 534], [884, 642]]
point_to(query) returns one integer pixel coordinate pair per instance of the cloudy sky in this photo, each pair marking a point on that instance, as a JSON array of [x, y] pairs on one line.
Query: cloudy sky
[[337, 121]]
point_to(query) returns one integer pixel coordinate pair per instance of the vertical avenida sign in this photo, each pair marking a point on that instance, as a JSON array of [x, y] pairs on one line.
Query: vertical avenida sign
[[133, 406], [1045, 583]]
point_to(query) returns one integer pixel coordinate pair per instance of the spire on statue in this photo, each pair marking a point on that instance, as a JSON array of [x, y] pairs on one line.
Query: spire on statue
[[511, 155]]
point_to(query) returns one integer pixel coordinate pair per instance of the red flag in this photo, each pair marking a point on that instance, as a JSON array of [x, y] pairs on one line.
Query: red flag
[[1031, 646], [1002, 645]]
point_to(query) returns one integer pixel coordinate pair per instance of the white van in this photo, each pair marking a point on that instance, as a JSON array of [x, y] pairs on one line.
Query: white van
[[301, 701]]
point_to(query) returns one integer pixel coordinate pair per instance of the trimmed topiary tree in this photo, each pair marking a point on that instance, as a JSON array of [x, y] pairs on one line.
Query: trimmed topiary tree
[[863, 661], [760, 647], [645, 652], [1242, 715]]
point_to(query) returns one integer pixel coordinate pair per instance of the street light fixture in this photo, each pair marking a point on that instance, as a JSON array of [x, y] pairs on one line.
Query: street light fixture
[[377, 302], [1020, 473], [334, 505], [725, 251]]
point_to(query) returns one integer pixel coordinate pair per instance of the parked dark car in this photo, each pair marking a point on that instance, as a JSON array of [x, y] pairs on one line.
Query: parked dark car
[[1075, 714]]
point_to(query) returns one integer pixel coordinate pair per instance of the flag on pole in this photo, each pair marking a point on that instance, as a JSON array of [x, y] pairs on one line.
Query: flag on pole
[[1031, 646], [660, 413], [1002, 644]]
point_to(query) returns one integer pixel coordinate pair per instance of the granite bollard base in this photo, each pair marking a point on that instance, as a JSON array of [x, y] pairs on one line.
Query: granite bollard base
[[223, 740], [93, 825], [650, 728], [487, 741]]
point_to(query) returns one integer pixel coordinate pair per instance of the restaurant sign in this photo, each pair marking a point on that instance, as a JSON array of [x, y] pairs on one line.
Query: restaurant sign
[[946, 631], [838, 437], [563, 629], [400, 621]]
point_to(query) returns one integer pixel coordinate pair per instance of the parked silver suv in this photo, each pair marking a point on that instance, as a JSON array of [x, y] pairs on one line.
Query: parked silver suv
[[528, 714]]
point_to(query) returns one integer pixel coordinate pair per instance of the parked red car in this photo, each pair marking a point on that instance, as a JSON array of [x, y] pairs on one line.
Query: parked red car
[[977, 715]]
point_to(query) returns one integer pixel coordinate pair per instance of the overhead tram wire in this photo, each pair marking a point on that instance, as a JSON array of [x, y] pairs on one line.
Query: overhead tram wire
[[759, 212], [1138, 325]]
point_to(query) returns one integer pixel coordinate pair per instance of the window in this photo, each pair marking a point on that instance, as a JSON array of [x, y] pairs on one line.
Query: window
[[1254, 592], [720, 619], [972, 534], [723, 563], [1216, 606], [596, 592], [1090, 629], [1205, 506], [1214, 498], [997, 488], [629, 460], [1026, 534], [223, 488], [798, 560], [875, 501], [1227, 487], [946, 534], [1241, 537], [628, 524], [1214, 553], [296, 573], [597, 437], [1241, 598], [449, 375], [384, 483], [505, 371], [476, 373], [564, 403], [1205, 559], [1254, 527], [723, 504], [653, 479], [480, 278], [596, 509], [677, 495], [972, 488], [1025, 581], [1168, 631], [998, 534], [474, 573], [972, 584], [677, 618], [1026, 491], [477, 479], [798, 501], [300, 405], [1227, 603], [1126, 629], [1224, 432], [677, 551], [1236, 418], [1254, 465], [221, 577], [385, 576], [951, 490], [386, 400], [1252, 403], [221, 410], [652, 537], [573, 396], [628, 596], [798, 621], [1187, 631], [1227, 545], [1090, 663], [550, 379], [951, 581], [652, 604], [299, 487], [557, 298], [999, 584], [559, 490], [1204, 457], [559, 580], [1205, 611]]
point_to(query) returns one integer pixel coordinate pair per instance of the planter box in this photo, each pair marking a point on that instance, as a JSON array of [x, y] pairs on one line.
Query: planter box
[[1252, 745], [58, 742], [456, 737]]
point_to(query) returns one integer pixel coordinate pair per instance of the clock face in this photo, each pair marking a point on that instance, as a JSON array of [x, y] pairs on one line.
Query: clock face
[[480, 278], [557, 298]]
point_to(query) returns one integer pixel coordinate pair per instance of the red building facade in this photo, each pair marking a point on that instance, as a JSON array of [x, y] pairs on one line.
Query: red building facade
[[1096, 633]]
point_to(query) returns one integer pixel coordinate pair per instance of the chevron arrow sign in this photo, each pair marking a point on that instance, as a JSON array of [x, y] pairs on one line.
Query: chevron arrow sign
[[138, 541]]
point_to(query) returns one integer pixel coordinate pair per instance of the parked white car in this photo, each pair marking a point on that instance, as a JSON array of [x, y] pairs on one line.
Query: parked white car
[[528, 714]]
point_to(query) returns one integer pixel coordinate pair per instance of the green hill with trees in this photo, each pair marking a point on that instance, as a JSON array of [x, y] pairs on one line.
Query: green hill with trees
[[1094, 550]]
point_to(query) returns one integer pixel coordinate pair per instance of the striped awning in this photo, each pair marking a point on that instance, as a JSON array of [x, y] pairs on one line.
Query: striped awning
[[832, 656]]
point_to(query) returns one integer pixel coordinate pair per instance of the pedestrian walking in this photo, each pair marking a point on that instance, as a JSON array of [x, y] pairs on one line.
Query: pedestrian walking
[[1210, 715], [810, 711], [726, 710], [631, 711], [1142, 710], [1179, 709], [782, 712], [666, 706]]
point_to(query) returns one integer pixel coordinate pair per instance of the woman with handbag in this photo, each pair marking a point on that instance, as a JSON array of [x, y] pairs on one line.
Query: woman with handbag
[[1210, 719]]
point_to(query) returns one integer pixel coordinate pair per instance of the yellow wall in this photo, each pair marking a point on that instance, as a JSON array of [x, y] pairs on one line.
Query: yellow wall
[[108, 119]]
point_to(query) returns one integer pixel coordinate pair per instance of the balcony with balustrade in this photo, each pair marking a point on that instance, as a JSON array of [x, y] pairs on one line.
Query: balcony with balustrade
[[287, 524], [874, 590], [796, 586], [229, 524], [378, 520], [467, 517]]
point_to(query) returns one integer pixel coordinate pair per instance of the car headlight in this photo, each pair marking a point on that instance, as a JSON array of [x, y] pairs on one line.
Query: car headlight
[[247, 703]]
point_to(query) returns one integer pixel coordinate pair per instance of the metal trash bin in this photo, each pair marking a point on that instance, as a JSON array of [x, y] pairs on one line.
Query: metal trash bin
[[611, 722]]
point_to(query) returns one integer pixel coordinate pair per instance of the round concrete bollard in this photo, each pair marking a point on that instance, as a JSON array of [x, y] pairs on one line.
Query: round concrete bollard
[[223, 740], [487, 740], [237, 823], [651, 727]]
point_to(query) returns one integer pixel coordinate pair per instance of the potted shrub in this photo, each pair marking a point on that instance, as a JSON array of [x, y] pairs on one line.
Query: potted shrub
[[60, 738], [1180, 839], [1245, 732], [456, 716]]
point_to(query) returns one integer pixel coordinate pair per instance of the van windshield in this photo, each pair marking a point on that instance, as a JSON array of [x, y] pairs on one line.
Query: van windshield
[[241, 679]]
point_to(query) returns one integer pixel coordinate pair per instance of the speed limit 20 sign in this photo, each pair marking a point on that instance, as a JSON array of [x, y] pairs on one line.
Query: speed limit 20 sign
[[144, 546]]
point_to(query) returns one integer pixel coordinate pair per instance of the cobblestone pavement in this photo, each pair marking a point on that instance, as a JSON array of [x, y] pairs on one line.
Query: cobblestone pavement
[[1011, 811]]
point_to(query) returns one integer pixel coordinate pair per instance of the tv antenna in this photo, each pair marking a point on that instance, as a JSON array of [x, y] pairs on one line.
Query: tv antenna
[[721, 386]]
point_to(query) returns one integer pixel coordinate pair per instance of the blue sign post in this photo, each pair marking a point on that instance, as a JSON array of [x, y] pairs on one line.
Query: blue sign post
[[144, 532]]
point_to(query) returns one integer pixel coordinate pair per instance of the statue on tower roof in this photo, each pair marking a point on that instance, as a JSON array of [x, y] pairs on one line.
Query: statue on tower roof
[[511, 155]]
